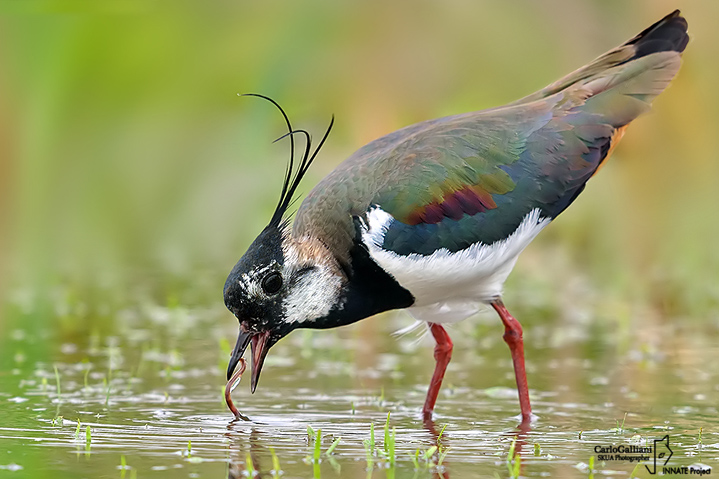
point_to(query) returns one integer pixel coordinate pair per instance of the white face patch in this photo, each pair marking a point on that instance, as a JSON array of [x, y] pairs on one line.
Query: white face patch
[[450, 286], [314, 292]]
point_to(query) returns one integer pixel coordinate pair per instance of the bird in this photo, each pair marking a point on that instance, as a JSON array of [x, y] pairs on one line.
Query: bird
[[431, 218]]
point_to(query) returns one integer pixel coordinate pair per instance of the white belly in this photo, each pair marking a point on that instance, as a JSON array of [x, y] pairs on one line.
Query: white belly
[[449, 287]]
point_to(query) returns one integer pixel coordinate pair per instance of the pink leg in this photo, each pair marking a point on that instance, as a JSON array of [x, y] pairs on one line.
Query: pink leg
[[513, 338], [442, 355]]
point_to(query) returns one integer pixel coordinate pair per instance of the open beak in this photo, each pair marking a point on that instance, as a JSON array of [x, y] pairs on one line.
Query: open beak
[[260, 346], [242, 341]]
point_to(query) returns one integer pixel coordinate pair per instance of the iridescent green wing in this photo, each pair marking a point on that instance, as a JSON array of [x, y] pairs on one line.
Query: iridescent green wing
[[473, 178], [456, 181]]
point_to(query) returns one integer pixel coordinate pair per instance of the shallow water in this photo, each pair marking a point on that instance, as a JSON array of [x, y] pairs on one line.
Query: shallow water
[[154, 384]]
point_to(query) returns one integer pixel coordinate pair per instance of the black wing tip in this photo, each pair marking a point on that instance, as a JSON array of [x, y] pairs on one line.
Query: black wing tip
[[667, 35]]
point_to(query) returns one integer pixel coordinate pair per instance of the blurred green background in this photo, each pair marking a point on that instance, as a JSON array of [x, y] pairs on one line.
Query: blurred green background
[[132, 178], [130, 168]]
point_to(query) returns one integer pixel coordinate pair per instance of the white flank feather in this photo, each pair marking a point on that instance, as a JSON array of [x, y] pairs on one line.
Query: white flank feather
[[449, 287]]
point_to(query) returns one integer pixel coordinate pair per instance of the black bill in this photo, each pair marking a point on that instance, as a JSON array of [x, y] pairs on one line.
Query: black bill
[[242, 341]]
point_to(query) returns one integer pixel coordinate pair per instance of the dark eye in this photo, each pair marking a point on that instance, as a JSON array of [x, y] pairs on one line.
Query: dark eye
[[272, 283]]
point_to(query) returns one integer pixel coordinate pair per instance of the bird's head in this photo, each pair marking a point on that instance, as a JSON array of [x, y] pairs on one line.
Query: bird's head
[[281, 283]]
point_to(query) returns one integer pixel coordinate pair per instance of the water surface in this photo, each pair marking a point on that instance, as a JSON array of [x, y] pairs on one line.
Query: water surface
[[154, 385]]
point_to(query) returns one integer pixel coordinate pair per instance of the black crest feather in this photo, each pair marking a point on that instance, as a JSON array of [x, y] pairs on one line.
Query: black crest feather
[[293, 176]]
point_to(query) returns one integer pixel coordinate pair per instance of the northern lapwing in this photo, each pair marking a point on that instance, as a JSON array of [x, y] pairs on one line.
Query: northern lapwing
[[431, 218]]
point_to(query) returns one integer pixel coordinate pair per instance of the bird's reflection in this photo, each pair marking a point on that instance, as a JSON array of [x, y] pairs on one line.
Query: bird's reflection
[[519, 436], [442, 442], [248, 445], [252, 458]]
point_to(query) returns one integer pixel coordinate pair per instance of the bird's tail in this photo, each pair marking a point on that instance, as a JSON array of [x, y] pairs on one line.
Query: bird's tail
[[598, 101], [647, 63]]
